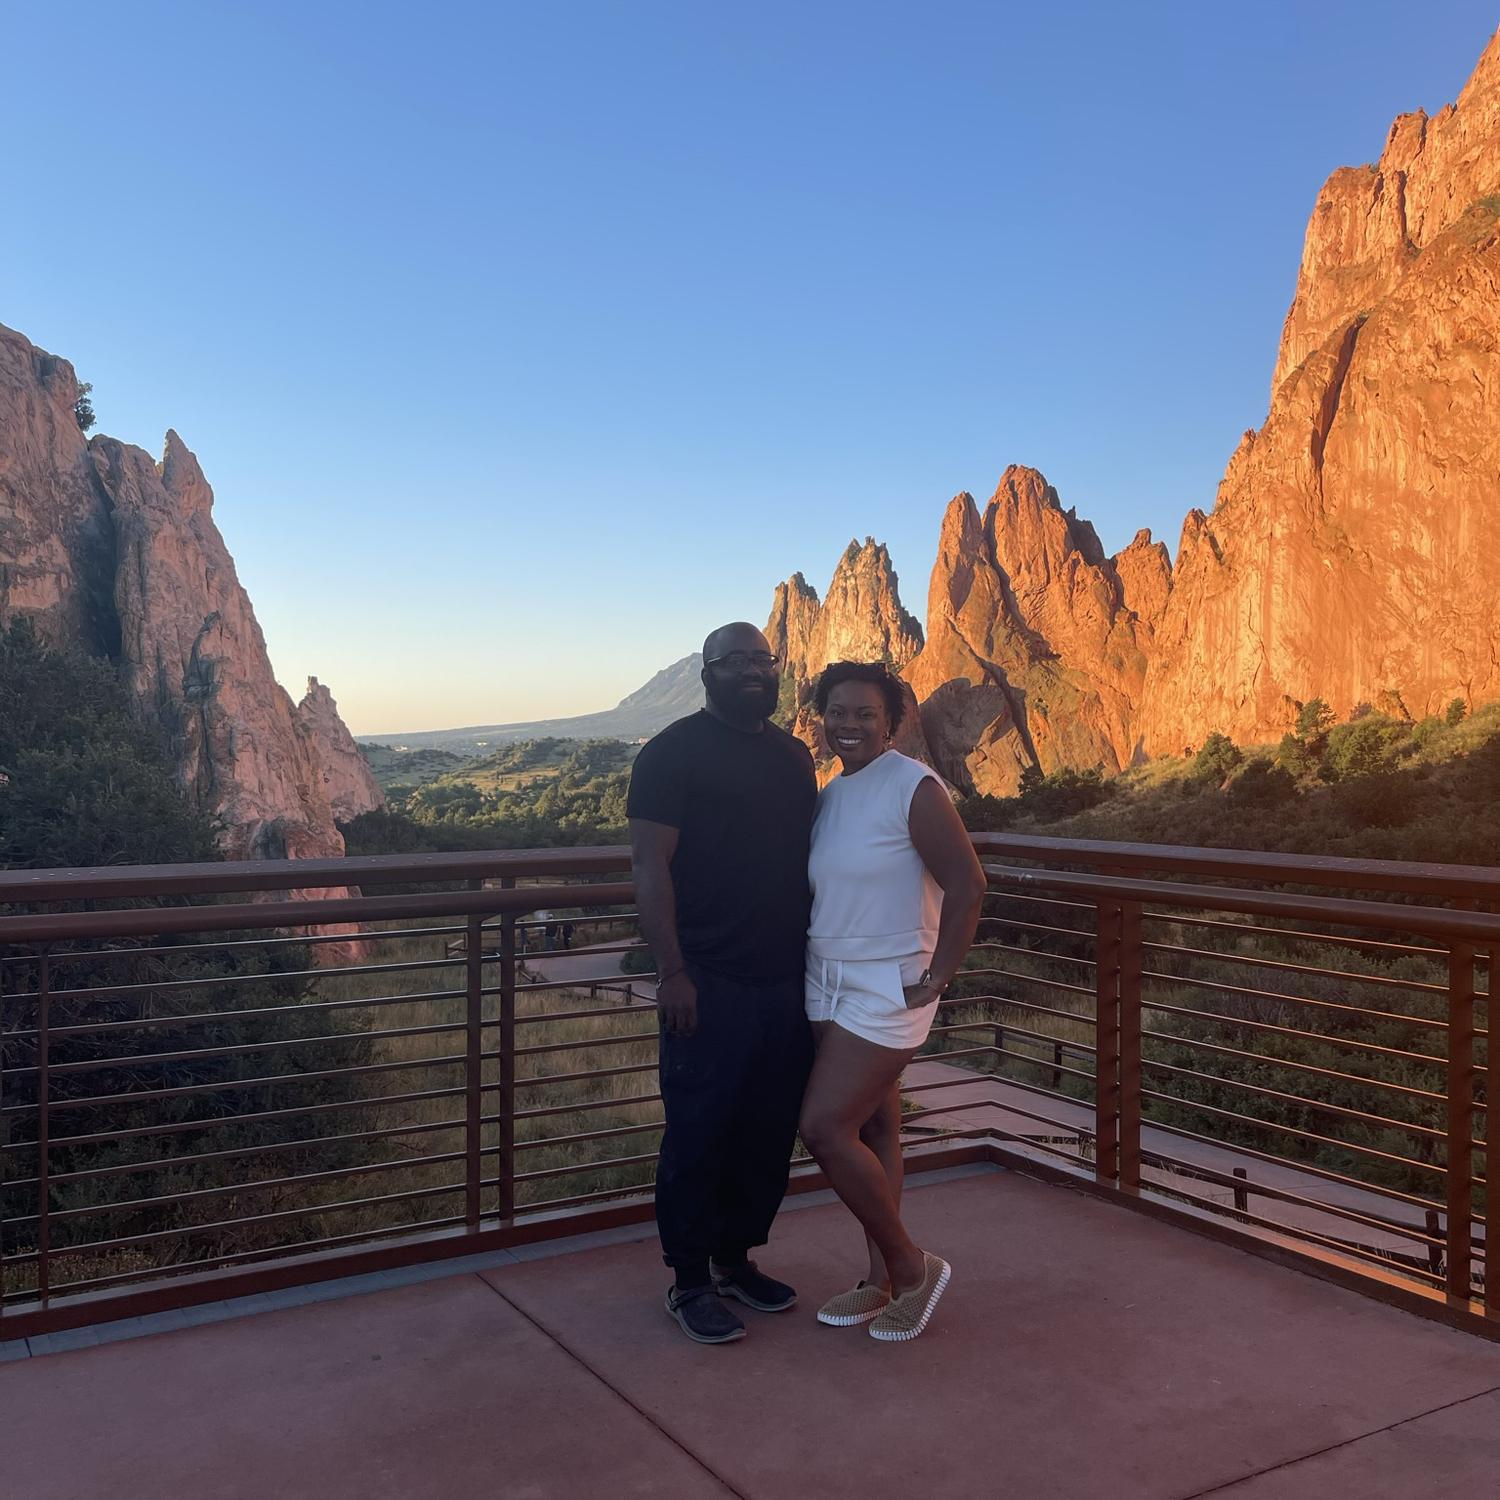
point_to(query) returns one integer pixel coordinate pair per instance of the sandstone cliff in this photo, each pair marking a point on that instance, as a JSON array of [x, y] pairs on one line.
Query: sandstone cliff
[[1349, 556], [861, 619], [350, 787], [118, 555], [1033, 655], [57, 555]]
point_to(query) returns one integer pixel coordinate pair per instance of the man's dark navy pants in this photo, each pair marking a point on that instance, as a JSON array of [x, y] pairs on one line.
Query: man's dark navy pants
[[731, 1093]]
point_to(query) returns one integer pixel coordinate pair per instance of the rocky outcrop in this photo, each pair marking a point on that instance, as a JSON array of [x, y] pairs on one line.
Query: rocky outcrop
[[1033, 655], [861, 619], [1348, 555], [194, 658], [350, 787], [57, 556], [113, 553]]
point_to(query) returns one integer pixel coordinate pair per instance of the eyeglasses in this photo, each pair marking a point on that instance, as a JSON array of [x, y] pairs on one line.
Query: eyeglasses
[[740, 661]]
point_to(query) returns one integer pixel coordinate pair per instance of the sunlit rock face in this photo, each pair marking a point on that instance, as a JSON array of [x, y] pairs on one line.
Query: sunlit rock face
[[1034, 654], [57, 554], [862, 619], [350, 787], [1350, 555], [110, 551], [194, 658]]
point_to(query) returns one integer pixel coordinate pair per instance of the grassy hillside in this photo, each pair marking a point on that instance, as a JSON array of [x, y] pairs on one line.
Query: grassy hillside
[[1373, 787], [536, 793], [393, 766]]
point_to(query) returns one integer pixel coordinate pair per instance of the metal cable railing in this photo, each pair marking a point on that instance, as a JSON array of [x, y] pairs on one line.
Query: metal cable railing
[[190, 1099]]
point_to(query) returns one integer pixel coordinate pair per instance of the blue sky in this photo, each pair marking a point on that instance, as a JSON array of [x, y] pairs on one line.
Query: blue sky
[[522, 343]]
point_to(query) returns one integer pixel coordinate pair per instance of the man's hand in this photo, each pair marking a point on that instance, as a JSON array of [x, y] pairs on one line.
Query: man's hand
[[677, 1001]]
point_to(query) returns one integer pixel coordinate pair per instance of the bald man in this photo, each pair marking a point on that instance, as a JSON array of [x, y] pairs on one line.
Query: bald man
[[720, 810]]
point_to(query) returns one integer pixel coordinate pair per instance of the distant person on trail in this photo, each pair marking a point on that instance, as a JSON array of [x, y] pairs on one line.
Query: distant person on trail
[[896, 898], [567, 935], [720, 809]]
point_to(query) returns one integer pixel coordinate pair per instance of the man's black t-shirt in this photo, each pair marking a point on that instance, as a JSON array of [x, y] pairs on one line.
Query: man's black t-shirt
[[743, 806]]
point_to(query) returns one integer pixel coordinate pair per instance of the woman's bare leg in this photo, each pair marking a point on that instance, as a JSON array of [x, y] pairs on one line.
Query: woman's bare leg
[[882, 1134], [852, 1079]]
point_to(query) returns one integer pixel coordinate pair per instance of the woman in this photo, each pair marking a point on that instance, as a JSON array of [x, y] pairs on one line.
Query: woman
[[896, 896]]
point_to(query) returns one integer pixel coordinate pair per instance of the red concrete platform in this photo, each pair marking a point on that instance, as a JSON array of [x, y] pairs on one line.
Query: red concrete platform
[[1084, 1351]]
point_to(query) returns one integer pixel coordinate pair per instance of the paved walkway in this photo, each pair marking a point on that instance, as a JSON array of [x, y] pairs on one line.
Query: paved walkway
[[1083, 1352], [980, 1101]]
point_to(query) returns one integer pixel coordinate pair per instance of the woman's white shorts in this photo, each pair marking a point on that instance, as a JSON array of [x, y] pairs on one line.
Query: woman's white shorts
[[865, 996]]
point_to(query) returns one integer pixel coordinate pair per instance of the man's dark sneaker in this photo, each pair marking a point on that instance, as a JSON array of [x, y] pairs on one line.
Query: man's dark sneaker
[[754, 1290], [703, 1317]]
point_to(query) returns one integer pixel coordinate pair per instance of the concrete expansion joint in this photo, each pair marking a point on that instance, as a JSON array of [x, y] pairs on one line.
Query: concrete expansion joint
[[1291, 1463], [615, 1390]]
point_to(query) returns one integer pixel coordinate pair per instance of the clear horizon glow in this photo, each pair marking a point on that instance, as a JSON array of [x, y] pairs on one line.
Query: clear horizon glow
[[523, 344]]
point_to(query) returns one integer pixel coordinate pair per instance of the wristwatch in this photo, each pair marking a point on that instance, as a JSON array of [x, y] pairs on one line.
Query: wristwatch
[[925, 978]]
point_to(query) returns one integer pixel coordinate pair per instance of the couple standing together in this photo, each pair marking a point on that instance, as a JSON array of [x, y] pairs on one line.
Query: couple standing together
[[802, 942]]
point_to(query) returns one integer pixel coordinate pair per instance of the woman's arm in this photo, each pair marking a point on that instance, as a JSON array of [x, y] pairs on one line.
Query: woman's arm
[[941, 839]]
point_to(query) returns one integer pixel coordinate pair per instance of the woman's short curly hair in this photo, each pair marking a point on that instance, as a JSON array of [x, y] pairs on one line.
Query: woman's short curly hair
[[874, 672]]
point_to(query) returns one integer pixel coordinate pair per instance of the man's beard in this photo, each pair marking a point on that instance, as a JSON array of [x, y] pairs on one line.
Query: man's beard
[[745, 698]]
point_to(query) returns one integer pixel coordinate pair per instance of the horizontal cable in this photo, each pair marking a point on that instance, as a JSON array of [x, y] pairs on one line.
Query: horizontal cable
[[1038, 953], [1308, 1169], [1284, 1195], [254, 1117], [1341, 1111], [550, 1141], [1265, 1059], [1051, 984], [1269, 1028], [1310, 970], [1289, 934], [229, 1085], [244, 1185], [1363, 1012], [236, 1153], [280, 1216], [239, 1049], [1198, 1107]]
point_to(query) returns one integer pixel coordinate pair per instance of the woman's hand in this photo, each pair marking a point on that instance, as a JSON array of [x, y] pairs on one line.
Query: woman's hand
[[920, 995]]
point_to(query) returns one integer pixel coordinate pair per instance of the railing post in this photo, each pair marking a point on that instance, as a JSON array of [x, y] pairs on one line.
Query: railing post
[[43, 1128], [1491, 1279], [1107, 955], [4, 1154], [1460, 1118], [473, 1061], [507, 1079], [1130, 1045]]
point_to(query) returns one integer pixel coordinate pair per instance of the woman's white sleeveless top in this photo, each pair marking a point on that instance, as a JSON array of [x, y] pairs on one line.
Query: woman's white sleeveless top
[[872, 895]]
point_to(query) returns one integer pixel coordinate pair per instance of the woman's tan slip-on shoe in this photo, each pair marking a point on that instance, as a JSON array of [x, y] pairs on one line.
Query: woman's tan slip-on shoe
[[857, 1306], [904, 1317]]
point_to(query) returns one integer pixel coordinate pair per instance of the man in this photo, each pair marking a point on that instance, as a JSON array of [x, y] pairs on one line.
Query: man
[[720, 809]]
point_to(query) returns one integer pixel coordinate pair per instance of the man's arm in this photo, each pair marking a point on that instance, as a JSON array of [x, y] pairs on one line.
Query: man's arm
[[651, 848]]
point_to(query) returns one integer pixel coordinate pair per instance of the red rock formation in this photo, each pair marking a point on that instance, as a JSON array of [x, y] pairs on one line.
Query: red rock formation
[[110, 552], [862, 619], [57, 557], [1349, 556], [193, 655], [347, 781], [1033, 655]]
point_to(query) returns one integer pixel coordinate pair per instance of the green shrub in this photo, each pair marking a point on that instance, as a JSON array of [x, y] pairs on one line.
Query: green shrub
[[1262, 784], [1217, 759], [1314, 720], [1364, 746]]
